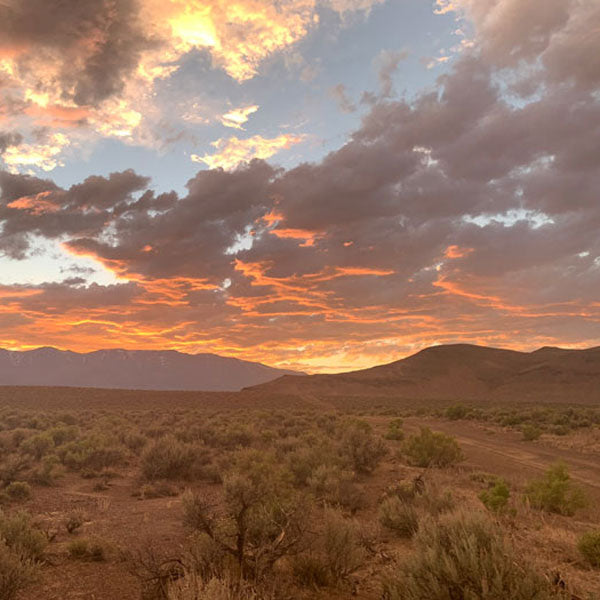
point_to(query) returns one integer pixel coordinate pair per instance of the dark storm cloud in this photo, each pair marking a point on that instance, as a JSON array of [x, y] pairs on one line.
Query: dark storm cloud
[[98, 42]]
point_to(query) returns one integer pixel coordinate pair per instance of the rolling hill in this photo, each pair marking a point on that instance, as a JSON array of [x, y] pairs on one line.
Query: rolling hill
[[463, 371], [131, 369]]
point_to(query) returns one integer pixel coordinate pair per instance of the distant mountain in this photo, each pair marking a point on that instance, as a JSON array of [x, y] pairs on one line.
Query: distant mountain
[[132, 369], [464, 371]]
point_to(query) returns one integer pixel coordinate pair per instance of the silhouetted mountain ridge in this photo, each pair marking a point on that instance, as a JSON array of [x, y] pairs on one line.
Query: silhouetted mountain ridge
[[464, 371], [131, 369]]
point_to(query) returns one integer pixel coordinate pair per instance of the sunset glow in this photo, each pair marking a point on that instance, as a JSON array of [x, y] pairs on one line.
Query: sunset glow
[[314, 184]]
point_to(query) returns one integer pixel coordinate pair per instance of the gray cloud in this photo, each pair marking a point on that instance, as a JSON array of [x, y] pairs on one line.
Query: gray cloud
[[387, 64], [461, 214], [8, 139], [340, 95], [107, 34]]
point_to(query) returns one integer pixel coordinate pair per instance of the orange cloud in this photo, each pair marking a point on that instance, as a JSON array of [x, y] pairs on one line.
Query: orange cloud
[[43, 155], [457, 252], [233, 151], [36, 205], [237, 117], [308, 237], [57, 116]]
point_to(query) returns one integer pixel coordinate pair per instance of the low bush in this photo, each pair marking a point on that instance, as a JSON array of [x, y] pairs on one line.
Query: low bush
[[160, 489], [74, 521], [394, 431], [496, 497], [437, 502], [531, 432], [432, 449], [336, 487], [11, 468], [37, 445], [360, 447], [168, 458], [589, 547], [399, 517], [18, 491], [48, 472], [21, 537], [336, 553], [16, 572], [85, 550], [92, 453], [310, 571], [456, 412], [555, 492], [463, 557]]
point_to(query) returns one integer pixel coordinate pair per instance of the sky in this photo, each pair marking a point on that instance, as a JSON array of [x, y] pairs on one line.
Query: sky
[[322, 185]]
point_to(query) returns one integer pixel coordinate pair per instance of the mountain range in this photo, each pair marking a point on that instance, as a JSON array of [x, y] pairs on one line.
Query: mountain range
[[463, 372], [132, 369]]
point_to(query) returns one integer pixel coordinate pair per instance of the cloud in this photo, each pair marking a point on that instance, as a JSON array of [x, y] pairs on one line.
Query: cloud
[[460, 214], [237, 117], [344, 103], [232, 151], [44, 156], [89, 66], [387, 64], [8, 140]]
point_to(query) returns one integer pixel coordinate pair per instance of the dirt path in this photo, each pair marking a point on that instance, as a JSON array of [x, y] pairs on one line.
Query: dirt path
[[505, 453]]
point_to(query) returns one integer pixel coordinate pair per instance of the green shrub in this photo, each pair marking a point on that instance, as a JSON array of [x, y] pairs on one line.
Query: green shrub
[[16, 572], [19, 491], [394, 431], [168, 458], [531, 432], [496, 498], [48, 472], [341, 548], [309, 571], [135, 441], [335, 487], [63, 434], [456, 412], [360, 447], [399, 517], [85, 550], [463, 557], [589, 546], [21, 537], [78, 549], [437, 502], [74, 521], [11, 468], [555, 492], [38, 445], [92, 453], [263, 517], [160, 489], [432, 449]]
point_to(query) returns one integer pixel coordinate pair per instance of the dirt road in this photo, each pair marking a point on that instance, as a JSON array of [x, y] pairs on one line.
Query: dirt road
[[504, 453]]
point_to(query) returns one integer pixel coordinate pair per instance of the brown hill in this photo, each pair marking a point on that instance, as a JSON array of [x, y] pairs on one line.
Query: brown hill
[[463, 372]]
